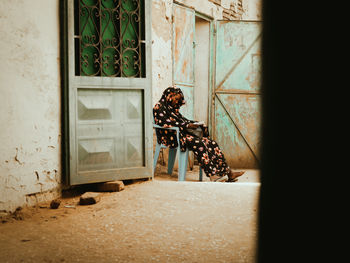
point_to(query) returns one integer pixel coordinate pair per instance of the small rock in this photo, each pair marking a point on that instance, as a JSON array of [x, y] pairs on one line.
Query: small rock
[[114, 186], [89, 198], [55, 203]]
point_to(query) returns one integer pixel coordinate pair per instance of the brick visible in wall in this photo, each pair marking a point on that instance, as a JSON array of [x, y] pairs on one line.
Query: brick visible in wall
[[228, 14], [218, 2], [235, 11], [42, 197], [239, 8]]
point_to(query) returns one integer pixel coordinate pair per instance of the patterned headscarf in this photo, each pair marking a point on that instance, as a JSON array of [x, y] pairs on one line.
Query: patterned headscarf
[[167, 115], [166, 98]]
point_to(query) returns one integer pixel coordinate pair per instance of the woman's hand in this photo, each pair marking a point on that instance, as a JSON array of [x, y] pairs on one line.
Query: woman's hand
[[192, 126]]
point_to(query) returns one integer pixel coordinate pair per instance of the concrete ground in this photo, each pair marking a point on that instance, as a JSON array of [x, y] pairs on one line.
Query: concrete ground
[[149, 221]]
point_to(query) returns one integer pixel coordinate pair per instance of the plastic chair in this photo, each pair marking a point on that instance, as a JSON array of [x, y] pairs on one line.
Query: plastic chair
[[182, 156]]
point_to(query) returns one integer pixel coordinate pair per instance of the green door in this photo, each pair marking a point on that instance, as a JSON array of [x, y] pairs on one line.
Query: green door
[[183, 55], [109, 90], [236, 107]]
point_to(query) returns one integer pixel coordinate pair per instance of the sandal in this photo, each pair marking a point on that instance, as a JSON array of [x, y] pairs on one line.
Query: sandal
[[232, 177]]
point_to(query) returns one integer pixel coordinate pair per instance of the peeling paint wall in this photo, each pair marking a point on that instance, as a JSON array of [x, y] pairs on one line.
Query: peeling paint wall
[[162, 31], [161, 47], [29, 102]]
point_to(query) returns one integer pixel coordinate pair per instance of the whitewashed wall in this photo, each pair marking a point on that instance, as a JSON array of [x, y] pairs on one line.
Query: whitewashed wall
[[161, 47], [29, 102]]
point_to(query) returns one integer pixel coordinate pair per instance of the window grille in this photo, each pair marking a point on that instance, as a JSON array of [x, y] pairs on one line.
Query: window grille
[[110, 38]]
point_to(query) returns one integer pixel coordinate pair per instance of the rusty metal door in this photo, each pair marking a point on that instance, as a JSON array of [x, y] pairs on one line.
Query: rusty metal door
[[183, 55], [236, 97]]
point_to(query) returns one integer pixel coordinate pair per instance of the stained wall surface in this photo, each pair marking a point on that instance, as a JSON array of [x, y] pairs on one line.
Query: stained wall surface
[[162, 65], [30, 112], [29, 102]]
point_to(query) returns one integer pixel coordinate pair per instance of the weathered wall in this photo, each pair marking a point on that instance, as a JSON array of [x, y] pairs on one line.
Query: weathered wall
[[30, 119], [29, 102], [162, 31], [161, 47]]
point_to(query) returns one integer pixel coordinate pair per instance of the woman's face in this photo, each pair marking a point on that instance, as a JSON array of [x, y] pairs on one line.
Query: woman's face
[[175, 99]]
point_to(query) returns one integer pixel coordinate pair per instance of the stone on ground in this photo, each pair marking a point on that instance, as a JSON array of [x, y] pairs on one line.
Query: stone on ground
[[114, 186], [89, 198], [55, 203]]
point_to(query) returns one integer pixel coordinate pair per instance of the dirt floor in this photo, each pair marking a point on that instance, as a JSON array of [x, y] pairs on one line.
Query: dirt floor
[[149, 221]]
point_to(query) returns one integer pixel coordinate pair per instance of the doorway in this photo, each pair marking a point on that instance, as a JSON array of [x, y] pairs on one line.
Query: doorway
[[201, 69], [201, 73], [192, 42]]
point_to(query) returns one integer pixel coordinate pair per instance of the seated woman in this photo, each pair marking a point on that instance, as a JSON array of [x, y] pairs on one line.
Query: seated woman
[[210, 157]]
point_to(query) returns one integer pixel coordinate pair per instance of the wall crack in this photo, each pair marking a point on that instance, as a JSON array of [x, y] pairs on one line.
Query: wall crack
[[16, 157]]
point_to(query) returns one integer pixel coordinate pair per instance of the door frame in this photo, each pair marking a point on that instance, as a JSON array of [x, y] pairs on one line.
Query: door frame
[[211, 63], [211, 57], [182, 83], [211, 54]]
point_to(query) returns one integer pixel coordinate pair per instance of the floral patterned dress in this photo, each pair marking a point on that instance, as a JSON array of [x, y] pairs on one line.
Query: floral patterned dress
[[206, 150]]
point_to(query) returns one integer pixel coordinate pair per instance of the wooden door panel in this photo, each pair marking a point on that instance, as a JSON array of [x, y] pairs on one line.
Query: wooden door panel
[[235, 148], [183, 55], [236, 122]]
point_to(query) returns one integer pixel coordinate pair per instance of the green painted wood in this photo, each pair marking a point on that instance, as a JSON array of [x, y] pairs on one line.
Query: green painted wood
[[238, 56], [183, 55], [233, 144], [188, 109], [237, 91], [211, 111], [110, 114]]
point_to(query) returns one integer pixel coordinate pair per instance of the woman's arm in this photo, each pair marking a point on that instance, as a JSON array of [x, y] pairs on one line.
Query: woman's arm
[[162, 119]]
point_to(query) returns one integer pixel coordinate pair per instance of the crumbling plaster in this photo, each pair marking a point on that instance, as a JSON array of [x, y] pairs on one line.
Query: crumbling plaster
[[29, 102], [161, 47], [162, 32]]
